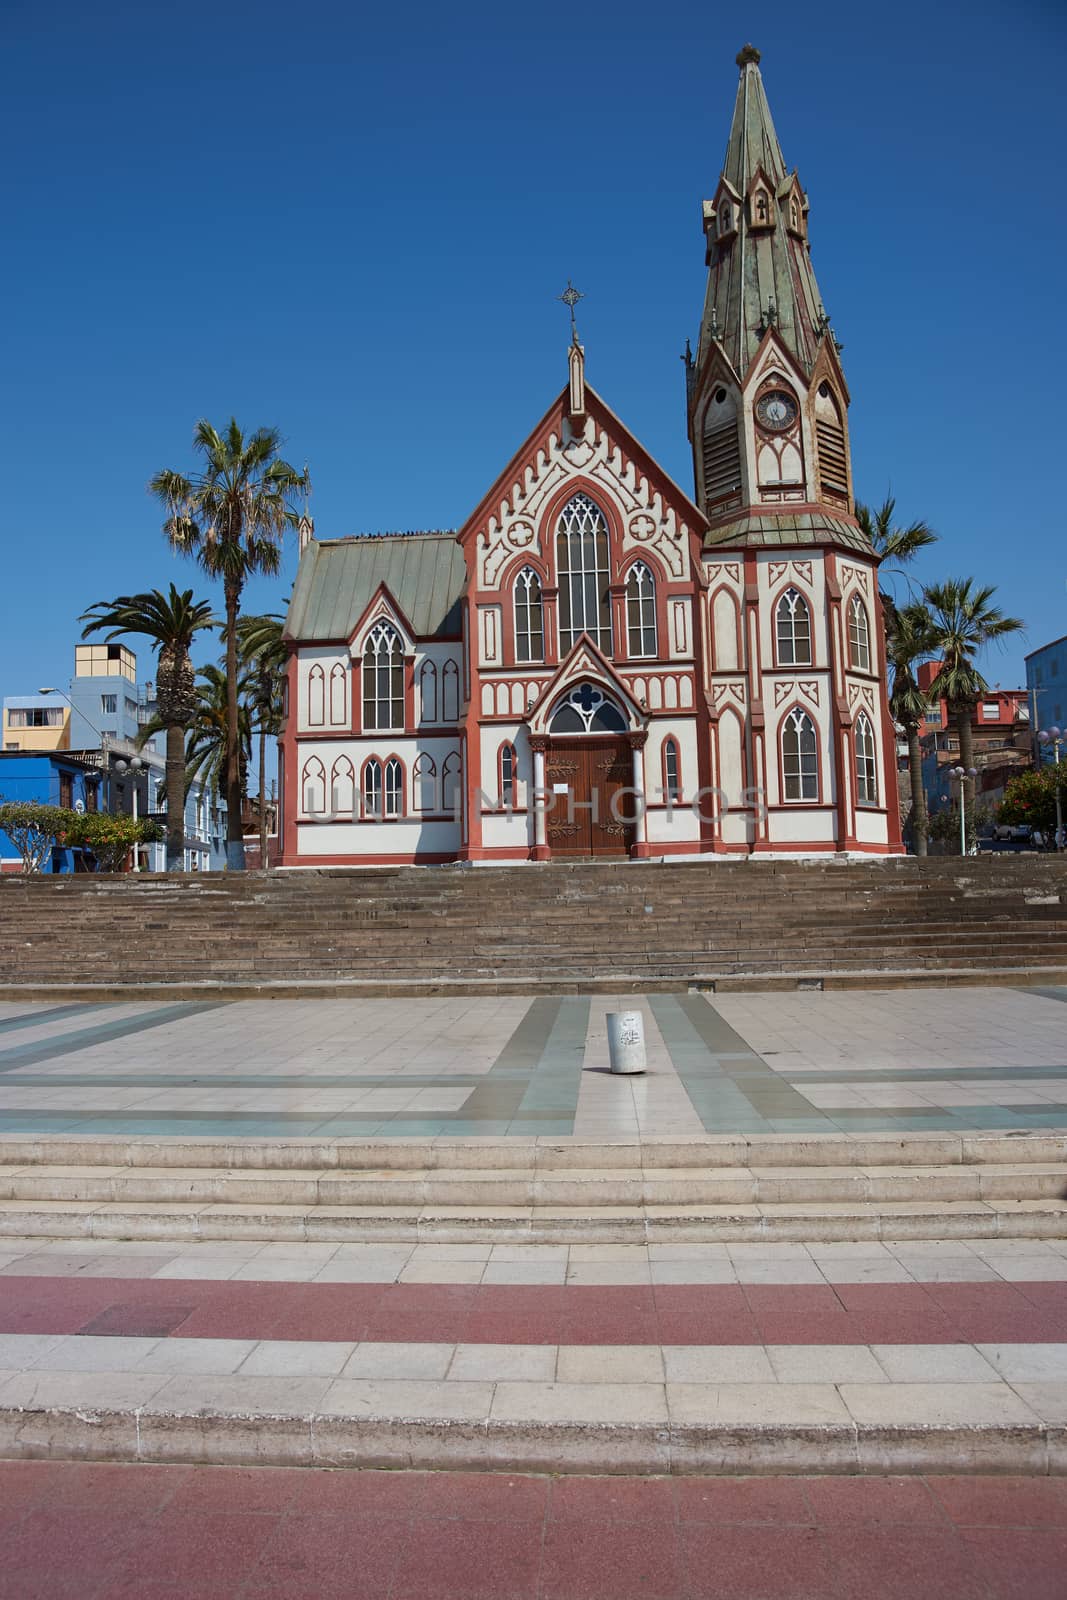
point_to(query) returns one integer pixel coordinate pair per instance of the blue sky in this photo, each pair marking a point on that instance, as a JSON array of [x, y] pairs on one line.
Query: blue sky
[[352, 223]]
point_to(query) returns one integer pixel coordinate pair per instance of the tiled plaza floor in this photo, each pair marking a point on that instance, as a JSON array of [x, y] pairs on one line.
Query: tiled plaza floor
[[855, 1062]]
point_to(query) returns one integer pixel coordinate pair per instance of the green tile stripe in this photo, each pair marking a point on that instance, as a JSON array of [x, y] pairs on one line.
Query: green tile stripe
[[1053, 993], [42, 1016], [63, 1044], [732, 1088]]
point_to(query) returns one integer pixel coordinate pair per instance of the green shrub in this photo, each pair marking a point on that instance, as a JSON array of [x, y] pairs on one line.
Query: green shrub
[[35, 830]]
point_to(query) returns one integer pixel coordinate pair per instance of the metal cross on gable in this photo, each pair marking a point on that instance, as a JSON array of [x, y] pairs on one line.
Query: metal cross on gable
[[570, 298]]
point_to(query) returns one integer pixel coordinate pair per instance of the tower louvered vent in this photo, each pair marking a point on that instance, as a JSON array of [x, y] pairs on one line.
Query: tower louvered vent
[[722, 453], [830, 438]]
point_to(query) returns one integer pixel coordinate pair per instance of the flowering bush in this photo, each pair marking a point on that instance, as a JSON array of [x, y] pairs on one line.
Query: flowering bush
[[35, 830], [1031, 797], [111, 838]]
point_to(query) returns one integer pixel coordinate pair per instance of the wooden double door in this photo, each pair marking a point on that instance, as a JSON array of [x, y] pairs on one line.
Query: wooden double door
[[587, 814]]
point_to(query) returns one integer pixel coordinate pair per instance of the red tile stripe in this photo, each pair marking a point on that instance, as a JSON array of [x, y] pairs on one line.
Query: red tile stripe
[[103, 1531], [899, 1313]]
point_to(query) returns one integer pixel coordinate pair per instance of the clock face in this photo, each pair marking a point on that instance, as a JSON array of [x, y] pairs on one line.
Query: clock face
[[776, 410]]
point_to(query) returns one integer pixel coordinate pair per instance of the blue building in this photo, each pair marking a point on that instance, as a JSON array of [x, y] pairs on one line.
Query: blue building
[[1046, 684], [70, 778], [80, 748]]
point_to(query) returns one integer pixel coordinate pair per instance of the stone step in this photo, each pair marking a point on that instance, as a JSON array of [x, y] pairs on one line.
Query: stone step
[[785, 976], [505, 1188], [797, 1222], [696, 1154], [649, 1409]]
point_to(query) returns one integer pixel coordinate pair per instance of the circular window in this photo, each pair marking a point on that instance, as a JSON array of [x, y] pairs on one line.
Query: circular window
[[720, 396]]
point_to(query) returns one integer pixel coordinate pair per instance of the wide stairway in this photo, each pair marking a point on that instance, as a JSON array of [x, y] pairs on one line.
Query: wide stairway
[[538, 1306], [715, 1189], [719, 924]]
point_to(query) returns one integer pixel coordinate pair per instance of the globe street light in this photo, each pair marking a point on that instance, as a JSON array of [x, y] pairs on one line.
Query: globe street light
[[1052, 736], [961, 773], [135, 766]]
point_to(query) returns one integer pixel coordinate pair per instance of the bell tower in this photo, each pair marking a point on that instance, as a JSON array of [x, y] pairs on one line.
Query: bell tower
[[767, 399], [801, 743]]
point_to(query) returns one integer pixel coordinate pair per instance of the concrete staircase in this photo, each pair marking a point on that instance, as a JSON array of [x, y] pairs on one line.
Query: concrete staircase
[[723, 924], [714, 1189]]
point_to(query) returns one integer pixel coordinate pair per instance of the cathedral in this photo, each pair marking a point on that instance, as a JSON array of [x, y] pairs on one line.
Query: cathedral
[[599, 664]]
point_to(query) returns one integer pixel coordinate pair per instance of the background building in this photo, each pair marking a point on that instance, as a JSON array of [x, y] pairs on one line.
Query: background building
[[79, 748], [36, 722], [1046, 686], [1002, 743]]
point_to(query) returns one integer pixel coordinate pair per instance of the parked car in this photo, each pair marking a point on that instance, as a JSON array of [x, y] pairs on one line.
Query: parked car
[[1017, 832]]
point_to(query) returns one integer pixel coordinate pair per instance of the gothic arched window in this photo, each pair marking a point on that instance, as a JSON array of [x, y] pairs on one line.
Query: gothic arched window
[[671, 785], [866, 762], [792, 621], [529, 624], [582, 568], [394, 788], [587, 710], [372, 790], [383, 679], [507, 774], [641, 611], [859, 635], [800, 757]]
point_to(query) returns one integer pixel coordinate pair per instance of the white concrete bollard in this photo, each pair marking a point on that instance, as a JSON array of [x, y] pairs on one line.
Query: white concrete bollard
[[626, 1041]]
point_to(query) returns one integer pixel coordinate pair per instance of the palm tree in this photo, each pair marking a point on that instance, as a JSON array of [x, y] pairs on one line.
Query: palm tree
[[894, 546], [964, 622], [171, 621], [231, 516], [911, 640], [264, 657], [206, 736]]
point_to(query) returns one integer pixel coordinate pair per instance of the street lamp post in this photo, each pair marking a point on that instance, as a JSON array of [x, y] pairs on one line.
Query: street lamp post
[[1052, 736], [134, 766], [103, 737], [961, 773]]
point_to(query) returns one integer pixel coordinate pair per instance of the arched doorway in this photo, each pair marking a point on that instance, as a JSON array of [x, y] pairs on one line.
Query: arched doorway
[[588, 775]]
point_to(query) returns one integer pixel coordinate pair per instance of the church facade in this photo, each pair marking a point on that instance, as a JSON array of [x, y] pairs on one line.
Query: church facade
[[598, 664]]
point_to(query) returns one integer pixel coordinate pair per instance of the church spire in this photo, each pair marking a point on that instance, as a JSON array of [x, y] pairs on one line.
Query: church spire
[[760, 271], [767, 400]]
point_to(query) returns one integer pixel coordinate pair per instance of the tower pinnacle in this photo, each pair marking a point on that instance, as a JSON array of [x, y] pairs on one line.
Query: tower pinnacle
[[747, 53]]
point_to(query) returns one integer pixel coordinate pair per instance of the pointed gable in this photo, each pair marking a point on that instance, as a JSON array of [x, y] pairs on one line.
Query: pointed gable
[[595, 454], [584, 664]]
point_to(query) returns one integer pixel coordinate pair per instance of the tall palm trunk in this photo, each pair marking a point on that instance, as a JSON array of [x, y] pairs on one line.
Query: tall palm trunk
[[919, 820], [964, 727], [235, 850], [175, 797]]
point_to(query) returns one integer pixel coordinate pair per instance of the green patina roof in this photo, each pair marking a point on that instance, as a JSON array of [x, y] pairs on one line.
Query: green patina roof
[[807, 527], [338, 578], [751, 269]]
